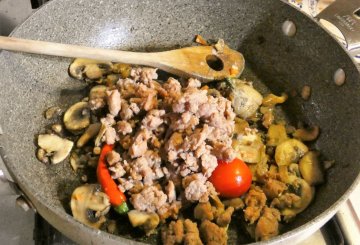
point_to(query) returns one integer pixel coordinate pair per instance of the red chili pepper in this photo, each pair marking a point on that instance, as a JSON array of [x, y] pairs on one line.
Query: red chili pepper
[[117, 197]]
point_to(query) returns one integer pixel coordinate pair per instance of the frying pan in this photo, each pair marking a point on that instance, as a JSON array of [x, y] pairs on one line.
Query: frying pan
[[31, 83]]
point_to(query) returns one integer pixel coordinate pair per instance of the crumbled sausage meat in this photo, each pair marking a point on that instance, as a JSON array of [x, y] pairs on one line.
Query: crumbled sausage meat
[[181, 231], [273, 188], [225, 218], [117, 171], [255, 201], [113, 101], [174, 233], [139, 145], [287, 200], [110, 135], [144, 74], [153, 119], [208, 164], [192, 236], [199, 189], [213, 234], [150, 199], [126, 113], [166, 130], [113, 157], [193, 83], [203, 211], [123, 127], [268, 224]]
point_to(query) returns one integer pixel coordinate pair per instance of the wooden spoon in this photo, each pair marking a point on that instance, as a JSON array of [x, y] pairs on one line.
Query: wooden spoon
[[202, 62]]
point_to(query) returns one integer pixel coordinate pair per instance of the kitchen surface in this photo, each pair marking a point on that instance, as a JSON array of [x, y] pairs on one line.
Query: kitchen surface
[[18, 226]]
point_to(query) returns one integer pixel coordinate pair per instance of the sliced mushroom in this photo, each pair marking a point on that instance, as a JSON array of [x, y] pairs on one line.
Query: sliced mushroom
[[271, 100], [89, 205], [311, 169], [147, 221], [91, 69], [77, 117], [57, 146], [306, 193], [289, 151], [89, 133], [100, 135], [307, 134], [245, 99], [276, 135]]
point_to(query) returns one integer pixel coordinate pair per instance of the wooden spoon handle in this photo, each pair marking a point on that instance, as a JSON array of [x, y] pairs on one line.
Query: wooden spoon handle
[[187, 62], [75, 51]]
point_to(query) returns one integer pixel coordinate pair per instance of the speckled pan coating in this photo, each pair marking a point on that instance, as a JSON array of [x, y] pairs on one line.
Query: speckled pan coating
[[30, 83]]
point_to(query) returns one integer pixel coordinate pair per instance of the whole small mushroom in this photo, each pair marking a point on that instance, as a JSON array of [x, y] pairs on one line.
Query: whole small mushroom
[[89, 205]]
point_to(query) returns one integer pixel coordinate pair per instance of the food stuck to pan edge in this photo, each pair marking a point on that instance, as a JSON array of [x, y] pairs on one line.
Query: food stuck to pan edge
[[181, 159]]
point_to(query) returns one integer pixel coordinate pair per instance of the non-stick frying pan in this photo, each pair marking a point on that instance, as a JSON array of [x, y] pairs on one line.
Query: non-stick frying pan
[[30, 83]]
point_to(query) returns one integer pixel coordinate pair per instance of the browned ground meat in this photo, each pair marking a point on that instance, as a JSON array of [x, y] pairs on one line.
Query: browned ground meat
[[150, 199], [225, 218], [286, 200], [113, 157], [174, 233], [236, 203], [181, 231], [166, 130], [123, 127], [255, 201], [268, 224], [113, 101], [273, 188], [213, 234], [203, 211]]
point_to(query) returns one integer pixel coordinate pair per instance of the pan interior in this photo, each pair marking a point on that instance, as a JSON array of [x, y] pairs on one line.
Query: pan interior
[[31, 83]]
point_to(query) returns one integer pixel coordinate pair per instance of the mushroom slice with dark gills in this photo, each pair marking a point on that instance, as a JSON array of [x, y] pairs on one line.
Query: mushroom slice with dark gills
[[77, 117], [89, 205], [306, 194], [244, 98], [91, 69]]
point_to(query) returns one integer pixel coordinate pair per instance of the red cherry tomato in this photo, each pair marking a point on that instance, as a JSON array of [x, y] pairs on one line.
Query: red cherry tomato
[[231, 179]]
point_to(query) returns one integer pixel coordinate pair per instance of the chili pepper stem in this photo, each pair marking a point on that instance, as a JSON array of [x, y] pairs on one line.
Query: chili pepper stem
[[122, 209]]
